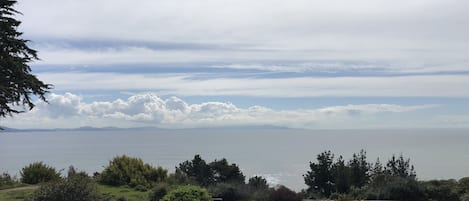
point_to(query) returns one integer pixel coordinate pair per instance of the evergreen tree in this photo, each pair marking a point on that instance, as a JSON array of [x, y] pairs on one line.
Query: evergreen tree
[[197, 169], [224, 172], [321, 179], [359, 169], [400, 167], [341, 175], [17, 84]]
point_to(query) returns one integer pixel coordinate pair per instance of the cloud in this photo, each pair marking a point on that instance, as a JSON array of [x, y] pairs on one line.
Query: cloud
[[193, 85], [421, 35], [147, 109]]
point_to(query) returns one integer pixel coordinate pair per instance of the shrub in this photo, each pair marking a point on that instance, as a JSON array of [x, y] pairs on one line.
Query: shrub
[[125, 170], [159, 192], [141, 188], [122, 198], [465, 197], [74, 188], [187, 193], [229, 191], [38, 172], [399, 188], [282, 193], [7, 180]]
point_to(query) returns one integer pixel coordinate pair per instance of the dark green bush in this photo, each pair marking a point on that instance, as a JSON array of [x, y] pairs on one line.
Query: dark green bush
[[160, 190], [282, 193], [188, 193], [464, 197], [141, 188], [74, 188], [124, 170], [122, 198], [229, 191], [38, 172]]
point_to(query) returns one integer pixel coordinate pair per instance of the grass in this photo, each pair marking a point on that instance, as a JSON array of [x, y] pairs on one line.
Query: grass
[[117, 192], [108, 191], [18, 195]]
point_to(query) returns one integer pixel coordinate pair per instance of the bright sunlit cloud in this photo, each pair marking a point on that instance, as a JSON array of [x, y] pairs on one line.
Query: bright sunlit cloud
[[69, 110]]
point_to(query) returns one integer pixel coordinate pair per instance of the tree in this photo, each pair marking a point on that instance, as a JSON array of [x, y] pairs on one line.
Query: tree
[[400, 167], [342, 176], [197, 169], [224, 172], [258, 182], [17, 84], [359, 169], [321, 179], [218, 171]]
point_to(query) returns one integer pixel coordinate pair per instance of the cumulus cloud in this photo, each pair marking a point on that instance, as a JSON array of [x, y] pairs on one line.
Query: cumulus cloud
[[150, 110]]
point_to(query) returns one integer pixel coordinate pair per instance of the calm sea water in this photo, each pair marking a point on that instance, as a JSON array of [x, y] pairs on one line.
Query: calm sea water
[[281, 155]]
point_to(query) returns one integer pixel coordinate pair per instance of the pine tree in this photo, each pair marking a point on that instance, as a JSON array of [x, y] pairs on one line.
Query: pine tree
[[321, 179], [17, 84]]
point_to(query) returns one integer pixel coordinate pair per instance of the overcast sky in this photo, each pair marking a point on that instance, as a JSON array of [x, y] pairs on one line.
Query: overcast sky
[[300, 63]]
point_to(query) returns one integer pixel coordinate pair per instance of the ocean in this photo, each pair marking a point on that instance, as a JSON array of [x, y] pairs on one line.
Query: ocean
[[280, 155]]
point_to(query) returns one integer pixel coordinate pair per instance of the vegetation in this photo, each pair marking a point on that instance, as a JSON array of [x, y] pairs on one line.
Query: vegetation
[[75, 187], [159, 192], [329, 177], [17, 195], [282, 193], [38, 172], [124, 170], [188, 193], [113, 193], [218, 171], [17, 84], [8, 181]]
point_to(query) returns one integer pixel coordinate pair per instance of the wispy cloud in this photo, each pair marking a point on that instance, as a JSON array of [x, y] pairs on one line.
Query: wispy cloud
[[190, 85], [427, 35]]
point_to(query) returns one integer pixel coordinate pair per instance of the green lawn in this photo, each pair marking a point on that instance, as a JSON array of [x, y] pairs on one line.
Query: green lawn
[[113, 192]]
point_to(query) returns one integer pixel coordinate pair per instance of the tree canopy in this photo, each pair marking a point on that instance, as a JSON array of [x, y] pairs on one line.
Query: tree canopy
[[218, 171], [17, 84]]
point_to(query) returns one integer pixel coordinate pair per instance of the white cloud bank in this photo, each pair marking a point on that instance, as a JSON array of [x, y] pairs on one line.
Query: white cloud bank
[[69, 110]]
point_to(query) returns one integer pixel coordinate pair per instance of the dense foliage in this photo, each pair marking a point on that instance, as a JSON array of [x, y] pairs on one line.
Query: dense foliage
[[188, 193], [218, 171], [159, 191], [282, 193], [358, 179], [7, 181], [355, 179], [38, 172], [124, 170], [17, 84], [76, 187]]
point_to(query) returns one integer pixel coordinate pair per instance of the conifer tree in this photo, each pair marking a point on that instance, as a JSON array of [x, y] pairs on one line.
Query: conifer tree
[[17, 84]]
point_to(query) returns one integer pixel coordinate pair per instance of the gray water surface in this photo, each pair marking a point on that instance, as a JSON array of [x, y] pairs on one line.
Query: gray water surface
[[281, 155]]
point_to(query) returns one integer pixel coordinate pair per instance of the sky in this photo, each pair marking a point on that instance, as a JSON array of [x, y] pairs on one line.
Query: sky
[[323, 64]]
